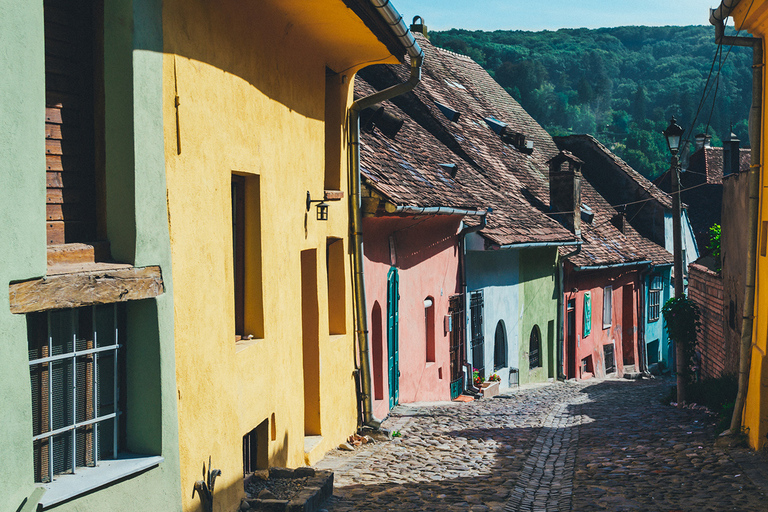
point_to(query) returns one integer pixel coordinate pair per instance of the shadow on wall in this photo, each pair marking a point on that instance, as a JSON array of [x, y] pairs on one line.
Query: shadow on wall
[[223, 34], [234, 492], [414, 241]]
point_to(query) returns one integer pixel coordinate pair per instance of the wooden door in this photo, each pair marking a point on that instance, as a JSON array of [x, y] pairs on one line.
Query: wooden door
[[393, 343]]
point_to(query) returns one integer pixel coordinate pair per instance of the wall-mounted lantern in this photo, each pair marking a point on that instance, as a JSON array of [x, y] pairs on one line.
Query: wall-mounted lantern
[[322, 207]]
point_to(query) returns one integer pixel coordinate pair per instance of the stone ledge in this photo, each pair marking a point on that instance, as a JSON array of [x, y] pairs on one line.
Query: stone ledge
[[318, 488]]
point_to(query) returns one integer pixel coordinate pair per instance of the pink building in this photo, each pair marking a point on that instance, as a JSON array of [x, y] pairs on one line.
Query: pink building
[[411, 271], [601, 318]]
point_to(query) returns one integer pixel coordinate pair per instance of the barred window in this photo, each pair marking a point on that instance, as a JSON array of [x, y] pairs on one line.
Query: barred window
[[76, 367], [654, 298]]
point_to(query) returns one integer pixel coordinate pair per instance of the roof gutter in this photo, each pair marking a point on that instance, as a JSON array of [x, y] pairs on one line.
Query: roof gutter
[[717, 18], [614, 265], [398, 27], [438, 210], [536, 244]]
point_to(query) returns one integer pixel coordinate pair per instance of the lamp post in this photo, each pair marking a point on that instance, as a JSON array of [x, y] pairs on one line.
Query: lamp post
[[673, 134]]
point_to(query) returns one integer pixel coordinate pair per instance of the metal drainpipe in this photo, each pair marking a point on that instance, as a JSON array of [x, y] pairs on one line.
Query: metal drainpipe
[[560, 314], [463, 277], [417, 57], [717, 18]]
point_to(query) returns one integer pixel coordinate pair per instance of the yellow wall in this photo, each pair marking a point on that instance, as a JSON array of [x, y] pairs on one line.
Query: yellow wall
[[251, 78], [753, 16]]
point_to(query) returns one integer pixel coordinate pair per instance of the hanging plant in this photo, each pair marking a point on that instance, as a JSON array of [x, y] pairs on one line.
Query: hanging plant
[[681, 320]]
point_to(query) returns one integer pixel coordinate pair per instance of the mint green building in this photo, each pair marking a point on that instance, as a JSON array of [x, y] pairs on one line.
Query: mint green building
[[87, 376], [512, 311]]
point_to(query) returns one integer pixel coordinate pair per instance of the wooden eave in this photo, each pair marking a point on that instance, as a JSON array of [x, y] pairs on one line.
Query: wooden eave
[[376, 24], [72, 286]]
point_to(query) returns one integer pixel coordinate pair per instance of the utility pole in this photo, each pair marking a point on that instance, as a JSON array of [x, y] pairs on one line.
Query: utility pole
[[673, 134]]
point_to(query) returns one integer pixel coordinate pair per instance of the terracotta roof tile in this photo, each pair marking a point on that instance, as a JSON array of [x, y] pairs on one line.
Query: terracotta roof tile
[[502, 173]]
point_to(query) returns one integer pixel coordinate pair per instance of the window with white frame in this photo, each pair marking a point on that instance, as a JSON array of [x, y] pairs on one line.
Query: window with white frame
[[654, 299], [607, 300], [76, 367]]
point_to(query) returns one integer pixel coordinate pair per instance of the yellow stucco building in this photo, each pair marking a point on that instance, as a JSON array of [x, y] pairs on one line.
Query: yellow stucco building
[[752, 16], [255, 99]]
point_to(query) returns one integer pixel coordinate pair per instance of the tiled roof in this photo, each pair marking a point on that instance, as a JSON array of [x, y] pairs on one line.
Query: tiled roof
[[499, 170], [598, 155], [709, 162]]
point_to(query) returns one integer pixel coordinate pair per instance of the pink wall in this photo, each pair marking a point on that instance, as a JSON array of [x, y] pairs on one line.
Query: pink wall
[[427, 257], [623, 331]]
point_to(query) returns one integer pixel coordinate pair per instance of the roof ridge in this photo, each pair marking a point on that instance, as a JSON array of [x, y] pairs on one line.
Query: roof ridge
[[460, 56]]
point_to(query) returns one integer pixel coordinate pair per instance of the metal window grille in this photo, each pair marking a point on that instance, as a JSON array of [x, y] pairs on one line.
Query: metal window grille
[[654, 300], [75, 368], [478, 340]]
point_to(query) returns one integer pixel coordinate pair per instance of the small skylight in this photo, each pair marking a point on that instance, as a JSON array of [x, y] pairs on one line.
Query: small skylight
[[495, 124], [450, 168], [448, 112], [455, 85]]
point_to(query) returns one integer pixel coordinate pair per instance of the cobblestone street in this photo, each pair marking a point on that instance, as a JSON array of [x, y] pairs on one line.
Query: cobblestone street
[[600, 445]]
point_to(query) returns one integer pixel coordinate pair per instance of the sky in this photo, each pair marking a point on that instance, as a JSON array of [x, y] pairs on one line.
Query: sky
[[553, 14]]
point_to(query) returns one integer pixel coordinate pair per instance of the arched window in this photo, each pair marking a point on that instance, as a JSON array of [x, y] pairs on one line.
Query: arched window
[[500, 346], [534, 348]]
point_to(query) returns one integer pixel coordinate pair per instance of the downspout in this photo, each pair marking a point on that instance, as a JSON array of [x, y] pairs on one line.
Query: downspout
[[717, 18], [463, 287], [416, 54], [641, 317], [560, 308]]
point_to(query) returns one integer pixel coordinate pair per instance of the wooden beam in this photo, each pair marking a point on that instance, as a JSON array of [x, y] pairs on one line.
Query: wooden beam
[[79, 289]]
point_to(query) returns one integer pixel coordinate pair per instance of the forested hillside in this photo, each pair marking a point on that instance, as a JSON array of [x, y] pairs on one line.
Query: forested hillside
[[620, 84]]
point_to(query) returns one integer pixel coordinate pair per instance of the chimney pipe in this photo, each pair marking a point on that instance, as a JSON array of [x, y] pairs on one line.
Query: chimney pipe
[[700, 141], [731, 152], [565, 188]]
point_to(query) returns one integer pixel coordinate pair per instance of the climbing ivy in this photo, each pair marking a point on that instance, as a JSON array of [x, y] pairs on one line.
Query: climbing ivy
[[681, 319], [714, 245]]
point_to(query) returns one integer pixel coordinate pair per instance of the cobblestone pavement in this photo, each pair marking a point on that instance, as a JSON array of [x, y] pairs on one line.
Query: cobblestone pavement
[[600, 445]]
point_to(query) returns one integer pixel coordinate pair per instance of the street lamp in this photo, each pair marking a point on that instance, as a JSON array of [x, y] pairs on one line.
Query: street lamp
[[673, 134]]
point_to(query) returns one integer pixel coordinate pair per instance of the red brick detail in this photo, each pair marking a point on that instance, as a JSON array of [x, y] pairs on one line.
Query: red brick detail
[[706, 288]]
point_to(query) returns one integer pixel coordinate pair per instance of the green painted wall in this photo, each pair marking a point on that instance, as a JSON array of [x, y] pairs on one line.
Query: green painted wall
[[137, 227], [22, 224], [538, 306]]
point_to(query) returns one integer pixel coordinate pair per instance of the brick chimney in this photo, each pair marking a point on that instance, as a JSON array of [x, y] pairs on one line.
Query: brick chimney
[[731, 155], [565, 188]]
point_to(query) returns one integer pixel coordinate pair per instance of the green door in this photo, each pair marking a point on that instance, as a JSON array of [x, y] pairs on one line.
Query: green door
[[393, 345]]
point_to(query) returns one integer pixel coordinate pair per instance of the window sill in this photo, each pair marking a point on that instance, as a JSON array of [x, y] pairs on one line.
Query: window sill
[[66, 487], [243, 344]]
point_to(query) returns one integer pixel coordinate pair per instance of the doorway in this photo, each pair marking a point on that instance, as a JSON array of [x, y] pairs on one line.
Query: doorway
[[627, 325], [393, 342], [571, 339]]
